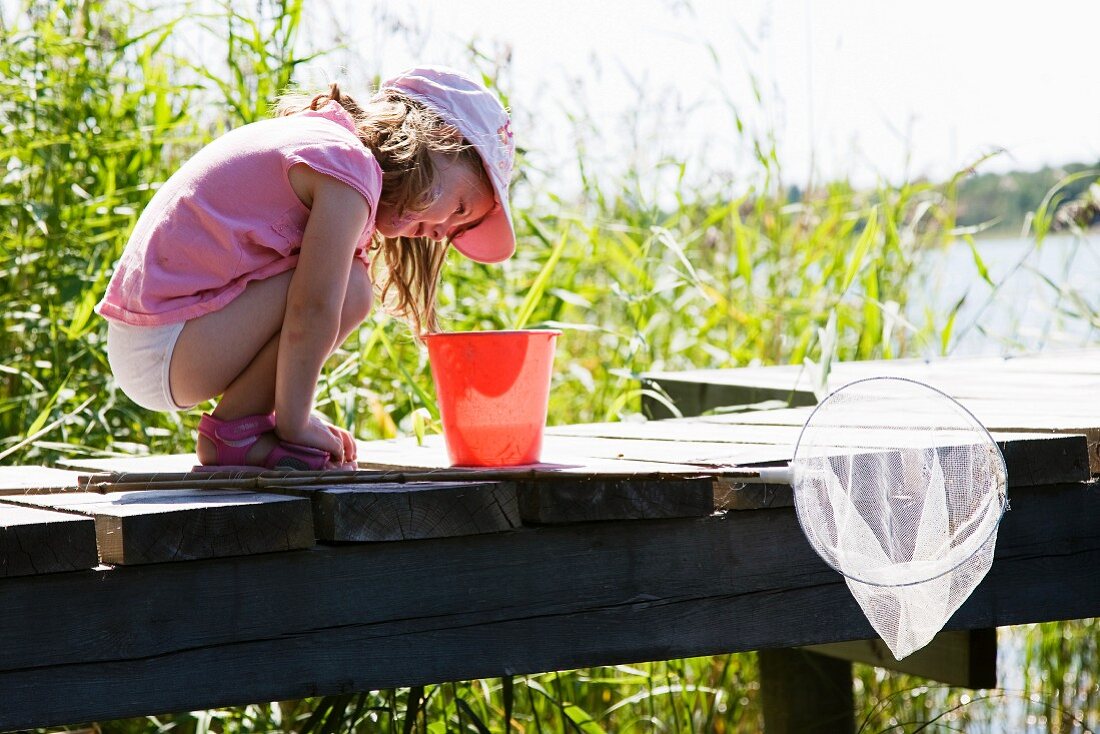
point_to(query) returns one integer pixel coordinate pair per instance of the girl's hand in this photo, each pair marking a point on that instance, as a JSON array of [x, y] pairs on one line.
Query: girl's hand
[[344, 437], [319, 434]]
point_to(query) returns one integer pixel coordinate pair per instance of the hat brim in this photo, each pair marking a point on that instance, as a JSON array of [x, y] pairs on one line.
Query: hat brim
[[492, 241]]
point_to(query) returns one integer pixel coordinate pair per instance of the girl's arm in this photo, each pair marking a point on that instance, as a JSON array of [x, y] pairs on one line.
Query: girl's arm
[[314, 301]]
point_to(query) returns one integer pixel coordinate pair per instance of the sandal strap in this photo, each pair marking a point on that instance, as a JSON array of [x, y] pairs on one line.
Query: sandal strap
[[250, 426], [287, 455]]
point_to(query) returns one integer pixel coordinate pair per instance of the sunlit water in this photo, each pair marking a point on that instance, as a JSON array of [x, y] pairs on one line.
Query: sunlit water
[[1044, 297]]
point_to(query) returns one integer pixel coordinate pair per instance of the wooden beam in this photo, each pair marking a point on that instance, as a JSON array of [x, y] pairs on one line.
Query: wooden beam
[[557, 502], [34, 541], [366, 616], [167, 525], [413, 511]]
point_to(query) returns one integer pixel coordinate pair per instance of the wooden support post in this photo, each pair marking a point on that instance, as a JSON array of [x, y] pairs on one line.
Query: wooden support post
[[806, 693], [966, 658]]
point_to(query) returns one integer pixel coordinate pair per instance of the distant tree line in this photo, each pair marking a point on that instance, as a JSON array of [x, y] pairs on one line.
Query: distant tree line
[[1003, 200]]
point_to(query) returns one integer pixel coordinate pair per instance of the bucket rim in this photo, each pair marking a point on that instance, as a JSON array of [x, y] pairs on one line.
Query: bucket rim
[[491, 332]]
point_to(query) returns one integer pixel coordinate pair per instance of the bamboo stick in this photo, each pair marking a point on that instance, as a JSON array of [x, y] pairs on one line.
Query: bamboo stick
[[131, 481]]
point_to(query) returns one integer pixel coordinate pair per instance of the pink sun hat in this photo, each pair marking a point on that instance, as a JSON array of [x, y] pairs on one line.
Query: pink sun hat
[[483, 121]]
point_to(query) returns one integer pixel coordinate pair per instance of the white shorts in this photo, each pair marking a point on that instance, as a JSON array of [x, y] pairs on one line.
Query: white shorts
[[140, 357]]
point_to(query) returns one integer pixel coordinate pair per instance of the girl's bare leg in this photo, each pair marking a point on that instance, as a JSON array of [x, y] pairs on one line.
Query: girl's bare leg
[[233, 352]]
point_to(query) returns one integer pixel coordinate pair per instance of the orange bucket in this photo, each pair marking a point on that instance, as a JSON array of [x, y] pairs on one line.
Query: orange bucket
[[493, 388]]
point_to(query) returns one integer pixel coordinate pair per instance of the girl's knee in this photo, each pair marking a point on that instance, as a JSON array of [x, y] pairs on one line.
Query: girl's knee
[[359, 297]]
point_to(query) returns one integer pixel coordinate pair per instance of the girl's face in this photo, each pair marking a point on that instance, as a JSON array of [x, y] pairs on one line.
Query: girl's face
[[461, 199]]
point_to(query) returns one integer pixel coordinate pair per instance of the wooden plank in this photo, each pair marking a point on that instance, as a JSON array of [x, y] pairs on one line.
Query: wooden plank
[[999, 418], [1070, 377], [1036, 462], [692, 397], [694, 430], [165, 525], [413, 511], [34, 541], [1026, 395], [336, 619], [388, 455], [1075, 368], [1039, 460], [1031, 458], [1083, 361], [36, 479], [695, 452], [733, 495], [966, 658], [999, 415], [557, 502], [888, 432], [559, 460], [163, 463]]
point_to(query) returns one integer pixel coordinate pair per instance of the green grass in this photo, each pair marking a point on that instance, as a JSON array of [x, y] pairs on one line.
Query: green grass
[[100, 102]]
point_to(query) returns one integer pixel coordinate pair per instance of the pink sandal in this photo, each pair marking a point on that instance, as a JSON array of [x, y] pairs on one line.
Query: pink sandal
[[233, 439]]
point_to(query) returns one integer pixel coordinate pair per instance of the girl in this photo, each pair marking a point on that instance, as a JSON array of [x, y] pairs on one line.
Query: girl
[[252, 263]]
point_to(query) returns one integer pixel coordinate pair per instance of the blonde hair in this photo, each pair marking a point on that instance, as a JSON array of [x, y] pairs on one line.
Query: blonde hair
[[402, 134]]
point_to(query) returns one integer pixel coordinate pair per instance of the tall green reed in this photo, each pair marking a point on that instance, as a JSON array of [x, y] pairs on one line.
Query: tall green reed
[[87, 112]]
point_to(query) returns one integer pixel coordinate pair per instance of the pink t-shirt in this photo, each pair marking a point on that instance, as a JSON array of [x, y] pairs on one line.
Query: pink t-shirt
[[229, 216]]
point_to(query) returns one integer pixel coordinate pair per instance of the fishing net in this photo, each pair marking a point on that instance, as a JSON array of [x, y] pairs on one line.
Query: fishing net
[[900, 489]]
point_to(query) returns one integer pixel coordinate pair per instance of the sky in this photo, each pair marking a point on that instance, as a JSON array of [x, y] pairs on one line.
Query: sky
[[860, 89]]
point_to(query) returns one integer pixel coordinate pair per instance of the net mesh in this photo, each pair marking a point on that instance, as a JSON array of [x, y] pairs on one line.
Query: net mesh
[[901, 490]]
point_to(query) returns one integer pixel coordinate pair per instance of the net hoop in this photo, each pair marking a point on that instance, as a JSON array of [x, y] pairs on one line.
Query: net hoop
[[997, 491]]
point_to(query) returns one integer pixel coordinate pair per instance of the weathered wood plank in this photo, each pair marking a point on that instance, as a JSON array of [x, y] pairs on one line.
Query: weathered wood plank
[[1046, 393], [34, 541], [1063, 377], [559, 459], [695, 452], [713, 434], [413, 511], [1038, 460], [1031, 458], [999, 417], [558, 502], [368, 616], [705, 430], [966, 658], [1032, 463], [162, 463], [692, 397], [36, 479], [1003, 416], [164, 525], [388, 455], [1074, 369]]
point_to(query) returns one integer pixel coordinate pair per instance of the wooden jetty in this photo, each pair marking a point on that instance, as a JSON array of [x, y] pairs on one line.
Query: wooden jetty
[[132, 586]]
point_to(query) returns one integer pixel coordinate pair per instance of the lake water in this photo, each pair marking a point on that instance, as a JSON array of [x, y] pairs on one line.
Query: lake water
[[1047, 295]]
